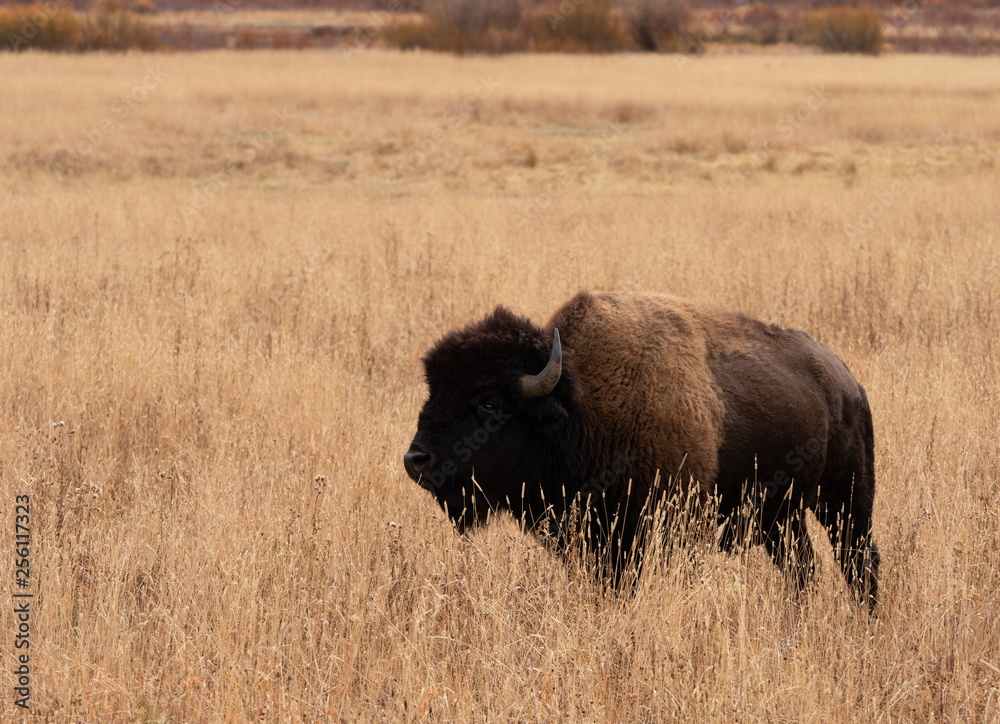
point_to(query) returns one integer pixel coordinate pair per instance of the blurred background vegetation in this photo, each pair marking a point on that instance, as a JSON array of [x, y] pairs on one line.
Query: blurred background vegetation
[[503, 26]]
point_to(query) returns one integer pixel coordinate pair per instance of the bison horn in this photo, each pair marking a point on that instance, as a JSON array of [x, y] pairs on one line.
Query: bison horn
[[533, 386]]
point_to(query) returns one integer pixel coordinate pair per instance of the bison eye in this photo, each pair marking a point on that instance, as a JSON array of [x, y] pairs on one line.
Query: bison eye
[[486, 404]]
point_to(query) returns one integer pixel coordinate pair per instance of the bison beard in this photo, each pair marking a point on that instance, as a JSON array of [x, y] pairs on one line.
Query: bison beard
[[647, 388]]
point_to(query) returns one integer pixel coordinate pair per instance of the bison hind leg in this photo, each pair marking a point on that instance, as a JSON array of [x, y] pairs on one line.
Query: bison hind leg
[[864, 572], [791, 549], [845, 510], [849, 528], [846, 495]]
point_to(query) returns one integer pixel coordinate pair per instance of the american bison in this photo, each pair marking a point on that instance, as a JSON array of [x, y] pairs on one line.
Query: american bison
[[624, 398]]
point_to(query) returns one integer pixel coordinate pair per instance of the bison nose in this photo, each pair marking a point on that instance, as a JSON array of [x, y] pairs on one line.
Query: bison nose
[[417, 461]]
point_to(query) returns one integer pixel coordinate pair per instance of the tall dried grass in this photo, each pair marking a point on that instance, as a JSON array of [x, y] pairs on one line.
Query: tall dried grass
[[209, 412]]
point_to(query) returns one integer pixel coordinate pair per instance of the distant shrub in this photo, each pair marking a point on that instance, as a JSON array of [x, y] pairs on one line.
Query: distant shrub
[[110, 26], [246, 39], [475, 17], [143, 7], [397, 6], [657, 25], [282, 39], [844, 30], [460, 26], [433, 35], [765, 23], [581, 26], [503, 26], [184, 36], [37, 26], [422, 35]]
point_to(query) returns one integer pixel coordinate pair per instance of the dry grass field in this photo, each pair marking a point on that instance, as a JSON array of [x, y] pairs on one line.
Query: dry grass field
[[218, 273]]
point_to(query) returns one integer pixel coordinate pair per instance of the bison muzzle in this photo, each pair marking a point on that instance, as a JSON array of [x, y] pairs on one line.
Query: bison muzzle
[[623, 400]]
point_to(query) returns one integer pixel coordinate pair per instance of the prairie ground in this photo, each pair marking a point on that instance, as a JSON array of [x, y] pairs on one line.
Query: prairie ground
[[218, 273]]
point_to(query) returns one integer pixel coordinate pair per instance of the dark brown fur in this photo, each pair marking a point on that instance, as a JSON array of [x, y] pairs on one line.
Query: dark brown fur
[[766, 419]]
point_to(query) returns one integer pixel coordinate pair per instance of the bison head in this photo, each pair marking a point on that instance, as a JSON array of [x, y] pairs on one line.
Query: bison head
[[500, 395]]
